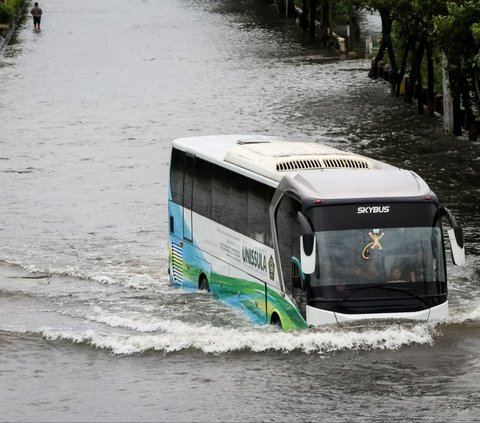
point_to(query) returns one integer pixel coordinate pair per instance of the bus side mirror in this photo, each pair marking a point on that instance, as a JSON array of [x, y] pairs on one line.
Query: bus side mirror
[[455, 235], [308, 253]]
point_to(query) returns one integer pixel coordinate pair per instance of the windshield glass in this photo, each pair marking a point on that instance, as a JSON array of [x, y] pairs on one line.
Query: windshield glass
[[378, 258], [362, 256]]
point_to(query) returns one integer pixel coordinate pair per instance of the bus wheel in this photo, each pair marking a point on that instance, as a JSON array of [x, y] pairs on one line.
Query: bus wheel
[[275, 320], [203, 285]]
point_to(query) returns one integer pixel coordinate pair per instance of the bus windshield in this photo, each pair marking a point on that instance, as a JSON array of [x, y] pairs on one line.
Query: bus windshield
[[369, 262], [372, 255]]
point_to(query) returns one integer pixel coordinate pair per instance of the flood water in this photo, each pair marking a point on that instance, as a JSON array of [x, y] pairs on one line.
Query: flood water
[[91, 330]]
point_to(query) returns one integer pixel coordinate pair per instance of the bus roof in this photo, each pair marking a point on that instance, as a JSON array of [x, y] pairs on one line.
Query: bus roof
[[320, 171]]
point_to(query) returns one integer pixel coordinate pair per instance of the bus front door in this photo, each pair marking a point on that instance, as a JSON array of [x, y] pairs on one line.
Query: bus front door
[[288, 235], [298, 287]]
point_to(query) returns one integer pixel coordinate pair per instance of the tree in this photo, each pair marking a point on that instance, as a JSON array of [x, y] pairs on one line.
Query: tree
[[325, 31], [457, 33], [389, 10]]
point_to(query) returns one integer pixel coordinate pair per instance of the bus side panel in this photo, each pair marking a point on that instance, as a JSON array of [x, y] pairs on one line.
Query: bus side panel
[[234, 280], [192, 266], [227, 282], [255, 260], [245, 295], [176, 262], [289, 315], [220, 272], [239, 292]]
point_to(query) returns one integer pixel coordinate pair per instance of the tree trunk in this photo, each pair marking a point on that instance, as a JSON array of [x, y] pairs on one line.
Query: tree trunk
[[325, 35], [413, 72], [470, 124], [403, 67], [418, 66], [447, 98], [391, 53], [384, 13], [373, 73], [430, 82], [457, 116], [291, 9], [477, 86], [313, 17], [304, 17]]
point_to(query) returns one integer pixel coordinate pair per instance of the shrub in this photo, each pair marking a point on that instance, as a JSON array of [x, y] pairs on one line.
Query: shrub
[[6, 14], [9, 10]]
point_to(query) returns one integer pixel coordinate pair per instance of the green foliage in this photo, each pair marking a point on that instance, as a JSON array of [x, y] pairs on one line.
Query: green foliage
[[476, 32], [457, 33], [417, 35], [451, 27], [340, 7], [9, 11], [475, 28], [6, 14]]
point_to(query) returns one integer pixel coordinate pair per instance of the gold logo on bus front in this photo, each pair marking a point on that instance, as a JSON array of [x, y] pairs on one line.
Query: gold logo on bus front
[[375, 244], [271, 268]]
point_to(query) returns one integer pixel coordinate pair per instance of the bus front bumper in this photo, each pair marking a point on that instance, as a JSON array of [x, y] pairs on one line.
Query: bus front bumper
[[318, 317]]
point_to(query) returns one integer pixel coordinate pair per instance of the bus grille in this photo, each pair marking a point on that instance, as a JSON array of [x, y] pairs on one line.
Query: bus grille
[[177, 263]]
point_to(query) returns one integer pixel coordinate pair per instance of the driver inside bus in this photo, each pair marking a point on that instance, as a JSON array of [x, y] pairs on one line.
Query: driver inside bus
[[396, 274]]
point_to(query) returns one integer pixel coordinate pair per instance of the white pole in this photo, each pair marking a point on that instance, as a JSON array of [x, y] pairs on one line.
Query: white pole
[[447, 99], [368, 46], [286, 8]]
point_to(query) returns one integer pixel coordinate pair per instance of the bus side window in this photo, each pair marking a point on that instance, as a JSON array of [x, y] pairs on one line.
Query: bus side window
[[188, 182], [237, 203], [176, 175], [258, 222], [202, 188], [220, 196]]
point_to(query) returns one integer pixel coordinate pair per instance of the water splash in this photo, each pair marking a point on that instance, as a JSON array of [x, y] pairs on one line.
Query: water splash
[[173, 336]]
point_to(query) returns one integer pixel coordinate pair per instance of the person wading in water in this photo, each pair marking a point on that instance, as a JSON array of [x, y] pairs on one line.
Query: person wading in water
[[37, 15]]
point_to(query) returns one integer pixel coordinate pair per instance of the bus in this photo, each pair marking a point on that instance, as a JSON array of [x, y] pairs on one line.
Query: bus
[[301, 234]]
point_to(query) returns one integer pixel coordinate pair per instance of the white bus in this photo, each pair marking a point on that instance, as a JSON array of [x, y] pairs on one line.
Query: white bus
[[302, 234]]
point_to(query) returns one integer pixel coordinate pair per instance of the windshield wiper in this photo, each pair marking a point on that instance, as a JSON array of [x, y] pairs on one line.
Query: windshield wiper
[[384, 285]]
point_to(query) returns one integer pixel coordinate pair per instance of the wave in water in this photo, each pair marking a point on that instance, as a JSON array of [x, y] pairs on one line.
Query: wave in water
[[146, 278], [124, 323], [178, 336]]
